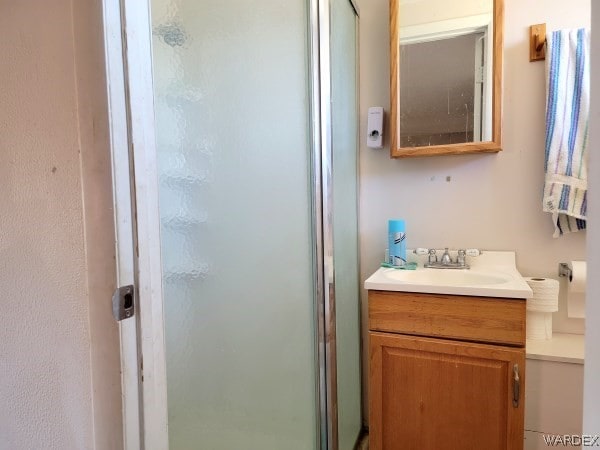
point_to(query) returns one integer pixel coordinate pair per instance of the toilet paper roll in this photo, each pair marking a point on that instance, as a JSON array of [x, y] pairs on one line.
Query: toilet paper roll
[[578, 278], [545, 294], [539, 325]]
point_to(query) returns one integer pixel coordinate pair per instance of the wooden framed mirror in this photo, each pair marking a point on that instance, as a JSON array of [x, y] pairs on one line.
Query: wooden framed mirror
[[445, 77]]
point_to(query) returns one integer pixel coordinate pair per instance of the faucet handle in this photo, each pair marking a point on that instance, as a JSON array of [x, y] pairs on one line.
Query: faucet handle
[[432, 256], [461, 257]]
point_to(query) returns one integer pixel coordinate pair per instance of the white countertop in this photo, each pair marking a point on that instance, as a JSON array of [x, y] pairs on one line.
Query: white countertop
[[563, 347], [492, 274]]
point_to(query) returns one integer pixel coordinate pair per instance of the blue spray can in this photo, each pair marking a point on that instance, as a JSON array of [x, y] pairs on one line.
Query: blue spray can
[[397, 242]]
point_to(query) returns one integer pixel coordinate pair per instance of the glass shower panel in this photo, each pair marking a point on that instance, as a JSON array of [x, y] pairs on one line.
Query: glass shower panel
[[232, 123], [345, 218]]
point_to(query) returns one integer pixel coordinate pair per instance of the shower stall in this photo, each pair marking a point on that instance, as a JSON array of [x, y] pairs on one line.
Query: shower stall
[[235, 158]]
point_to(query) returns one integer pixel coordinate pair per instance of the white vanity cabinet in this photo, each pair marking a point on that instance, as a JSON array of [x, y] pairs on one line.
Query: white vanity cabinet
[[553, 389]]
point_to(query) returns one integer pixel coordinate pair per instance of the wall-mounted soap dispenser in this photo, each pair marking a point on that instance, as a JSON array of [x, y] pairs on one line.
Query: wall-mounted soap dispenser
[[375, 127]]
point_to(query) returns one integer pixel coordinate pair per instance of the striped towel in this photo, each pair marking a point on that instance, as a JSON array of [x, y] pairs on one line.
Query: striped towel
[[567, 113]]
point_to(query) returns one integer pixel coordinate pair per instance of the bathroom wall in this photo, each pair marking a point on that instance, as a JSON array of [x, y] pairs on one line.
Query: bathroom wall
[[492, 201], [591, 406], [59, 384], [420, 12]]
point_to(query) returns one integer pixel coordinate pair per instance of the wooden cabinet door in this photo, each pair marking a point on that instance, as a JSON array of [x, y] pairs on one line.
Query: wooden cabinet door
[[435, 394]]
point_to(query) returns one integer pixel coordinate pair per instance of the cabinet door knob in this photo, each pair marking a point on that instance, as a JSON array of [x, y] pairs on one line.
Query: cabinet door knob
[[516, 386]]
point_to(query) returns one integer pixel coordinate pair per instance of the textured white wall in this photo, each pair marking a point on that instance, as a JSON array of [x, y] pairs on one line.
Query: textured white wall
[[52, 362], [492, 201], [45, 387]]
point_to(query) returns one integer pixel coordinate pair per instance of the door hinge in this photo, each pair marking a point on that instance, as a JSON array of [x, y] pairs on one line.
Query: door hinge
[[123, 303]]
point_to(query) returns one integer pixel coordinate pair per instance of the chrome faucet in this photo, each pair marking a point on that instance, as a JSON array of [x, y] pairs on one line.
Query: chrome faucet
[[446, 261]]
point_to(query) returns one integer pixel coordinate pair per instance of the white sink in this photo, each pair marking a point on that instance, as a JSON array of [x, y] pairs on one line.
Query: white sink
[[450, 277], [493, 274]]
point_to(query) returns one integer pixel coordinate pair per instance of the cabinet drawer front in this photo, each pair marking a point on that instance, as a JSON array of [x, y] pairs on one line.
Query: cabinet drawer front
[[481, 319]]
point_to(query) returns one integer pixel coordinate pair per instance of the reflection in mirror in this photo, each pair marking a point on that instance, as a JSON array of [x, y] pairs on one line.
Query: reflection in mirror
[[446, 65], [442, 91]]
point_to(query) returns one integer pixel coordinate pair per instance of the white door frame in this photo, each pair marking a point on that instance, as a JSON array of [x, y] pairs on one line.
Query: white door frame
[[131, 109], [122, 201]]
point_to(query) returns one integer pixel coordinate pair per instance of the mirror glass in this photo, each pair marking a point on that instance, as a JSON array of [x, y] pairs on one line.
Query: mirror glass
[[443, 82]]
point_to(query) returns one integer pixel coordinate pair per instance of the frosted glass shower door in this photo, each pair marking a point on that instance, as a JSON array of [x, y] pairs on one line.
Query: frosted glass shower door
[[233, 142], [344, 113]]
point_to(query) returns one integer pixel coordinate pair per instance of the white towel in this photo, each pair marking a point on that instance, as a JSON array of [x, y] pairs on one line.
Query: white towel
[[567, 114]]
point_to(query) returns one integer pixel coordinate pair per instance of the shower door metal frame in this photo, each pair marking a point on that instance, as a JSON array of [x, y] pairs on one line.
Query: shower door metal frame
[[128, 42], [322, 223], [322, 156]]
